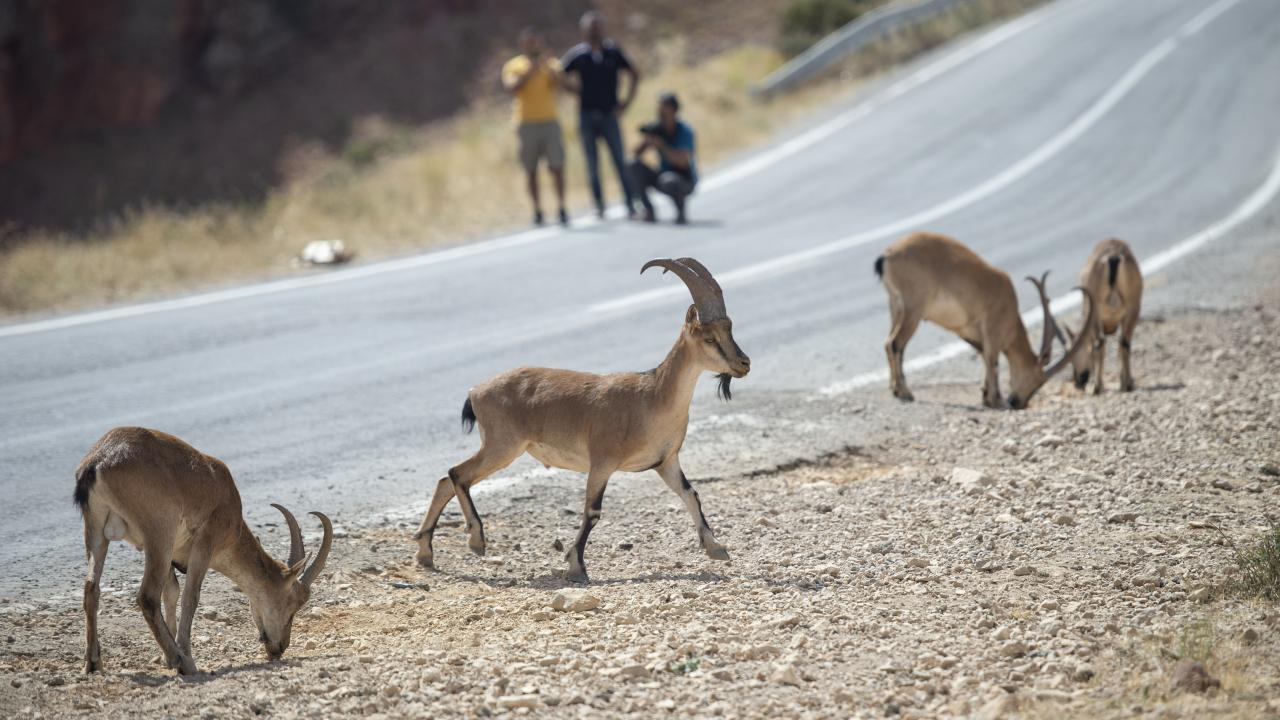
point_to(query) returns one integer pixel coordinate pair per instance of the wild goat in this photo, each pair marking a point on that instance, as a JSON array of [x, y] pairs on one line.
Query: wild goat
[[1111, 275], [182, 509], [598, 424], [936, 278]]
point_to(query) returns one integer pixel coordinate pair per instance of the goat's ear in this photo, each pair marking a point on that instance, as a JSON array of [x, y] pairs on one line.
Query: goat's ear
[[691, 315], [296, 569]]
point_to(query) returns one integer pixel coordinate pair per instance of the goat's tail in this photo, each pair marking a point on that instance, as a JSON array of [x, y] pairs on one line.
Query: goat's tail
[[1113, 266], [86, 476], [880, 267], [468, 416]]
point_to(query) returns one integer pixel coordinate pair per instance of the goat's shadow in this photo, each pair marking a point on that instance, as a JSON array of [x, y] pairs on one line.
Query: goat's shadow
[[164, 676], [1162, 387], [555, 580]]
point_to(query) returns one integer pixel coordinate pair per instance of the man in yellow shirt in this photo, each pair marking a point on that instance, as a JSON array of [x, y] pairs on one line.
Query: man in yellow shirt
[[532, 77]]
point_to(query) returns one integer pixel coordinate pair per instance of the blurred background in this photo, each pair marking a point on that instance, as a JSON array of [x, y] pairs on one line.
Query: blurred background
[[148, 148]]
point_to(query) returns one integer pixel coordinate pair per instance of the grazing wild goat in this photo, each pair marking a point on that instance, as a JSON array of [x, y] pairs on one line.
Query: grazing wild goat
[[182, 509], [1111, 275], [933, 277], [598, 424]]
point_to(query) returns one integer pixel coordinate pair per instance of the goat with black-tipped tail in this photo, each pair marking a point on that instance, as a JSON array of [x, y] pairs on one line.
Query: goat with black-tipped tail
[[182, 509], [598, 424], [1113, 277]]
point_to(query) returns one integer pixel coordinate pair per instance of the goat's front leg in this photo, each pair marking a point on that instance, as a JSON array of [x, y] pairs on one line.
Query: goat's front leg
[[1099, 359], [597, 479], [991, 379], [427, 530], [150, 596], [675, 478], [197, 565]]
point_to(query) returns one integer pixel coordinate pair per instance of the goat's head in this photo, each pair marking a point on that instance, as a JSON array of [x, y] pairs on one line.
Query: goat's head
[[1082, 359], [274, 606], [1027, 381], [707, 324]]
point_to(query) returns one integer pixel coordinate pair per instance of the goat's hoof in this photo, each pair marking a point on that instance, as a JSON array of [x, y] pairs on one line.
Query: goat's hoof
[[717, 553], [426, 562], [1097, 390], [478, 549], [184, 665], [1128, 386], [92, 665], [577, 575], [904, 395]]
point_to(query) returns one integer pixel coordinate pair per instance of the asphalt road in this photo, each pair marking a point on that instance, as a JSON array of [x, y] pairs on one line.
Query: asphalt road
[[1031, 141]]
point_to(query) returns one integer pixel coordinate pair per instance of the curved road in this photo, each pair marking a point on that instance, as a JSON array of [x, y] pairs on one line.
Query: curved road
[[1147, 120]]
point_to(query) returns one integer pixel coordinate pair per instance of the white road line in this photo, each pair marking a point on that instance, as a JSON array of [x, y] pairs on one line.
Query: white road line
[[1252, 205], [718, 180], [901, 87], [1010, 175]]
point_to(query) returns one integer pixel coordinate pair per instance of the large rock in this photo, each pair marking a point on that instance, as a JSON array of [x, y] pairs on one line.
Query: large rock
[[1192, 676], [972, 482], [574, 601]]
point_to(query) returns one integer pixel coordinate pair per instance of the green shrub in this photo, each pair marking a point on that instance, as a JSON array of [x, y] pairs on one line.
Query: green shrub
[[804, 22], [1259, 566]]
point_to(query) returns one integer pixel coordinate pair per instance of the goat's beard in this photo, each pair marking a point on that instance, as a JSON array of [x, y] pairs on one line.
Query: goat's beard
[[723, 391]]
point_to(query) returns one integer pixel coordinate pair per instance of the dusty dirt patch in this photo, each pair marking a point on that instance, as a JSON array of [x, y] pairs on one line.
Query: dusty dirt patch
[[1063, 576]]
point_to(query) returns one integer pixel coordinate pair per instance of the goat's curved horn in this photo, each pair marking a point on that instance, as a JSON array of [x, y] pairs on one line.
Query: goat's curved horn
[[296, 552], [1050, 327], [1079, 338], [309, 575], [703, 272], [705, 290]]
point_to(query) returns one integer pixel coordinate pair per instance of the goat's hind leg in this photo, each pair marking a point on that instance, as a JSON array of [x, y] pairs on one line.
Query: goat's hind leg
[[150, 596], [1126, 338], [170, 597], [95, 543], [904, 326], [492, 457], [675, 478], [427, 530]]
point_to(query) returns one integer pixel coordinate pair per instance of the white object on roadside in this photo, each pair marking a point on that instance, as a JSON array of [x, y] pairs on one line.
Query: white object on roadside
[[325, 252]]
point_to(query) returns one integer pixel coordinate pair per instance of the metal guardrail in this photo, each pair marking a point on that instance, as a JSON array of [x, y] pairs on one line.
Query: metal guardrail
[[849, 39]]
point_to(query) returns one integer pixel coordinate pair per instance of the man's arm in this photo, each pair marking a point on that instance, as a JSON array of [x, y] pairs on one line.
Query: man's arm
[[674, 156], [513, 80], [625, 66], [566, 74]]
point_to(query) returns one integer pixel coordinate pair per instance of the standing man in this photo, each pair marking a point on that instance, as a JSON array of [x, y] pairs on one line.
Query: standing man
[[532, 78], [597, 62], [677, 171]]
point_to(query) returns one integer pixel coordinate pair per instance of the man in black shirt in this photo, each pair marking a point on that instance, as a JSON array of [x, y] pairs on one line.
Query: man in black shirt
[[591, 70]]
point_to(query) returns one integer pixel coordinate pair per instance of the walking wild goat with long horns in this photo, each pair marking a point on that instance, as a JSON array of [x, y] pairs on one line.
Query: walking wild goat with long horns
[[598, 424], [936, 278], [182, 509]]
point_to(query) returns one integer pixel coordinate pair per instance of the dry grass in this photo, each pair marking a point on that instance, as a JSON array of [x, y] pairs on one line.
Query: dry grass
[[395, 189]]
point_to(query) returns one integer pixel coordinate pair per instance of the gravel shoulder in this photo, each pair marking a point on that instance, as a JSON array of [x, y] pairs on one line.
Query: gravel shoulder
[[1059, 561]]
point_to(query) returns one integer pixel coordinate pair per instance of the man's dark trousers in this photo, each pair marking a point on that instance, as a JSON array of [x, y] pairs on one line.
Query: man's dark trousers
[[595, 125], [669, 183]]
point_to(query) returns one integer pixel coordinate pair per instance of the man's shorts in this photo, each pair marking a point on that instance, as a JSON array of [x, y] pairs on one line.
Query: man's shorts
[[540, 140]]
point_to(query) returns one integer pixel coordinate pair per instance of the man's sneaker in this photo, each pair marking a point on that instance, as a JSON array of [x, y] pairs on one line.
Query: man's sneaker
[[564, 218], [681, 219], [537, 217], [648, 216]]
